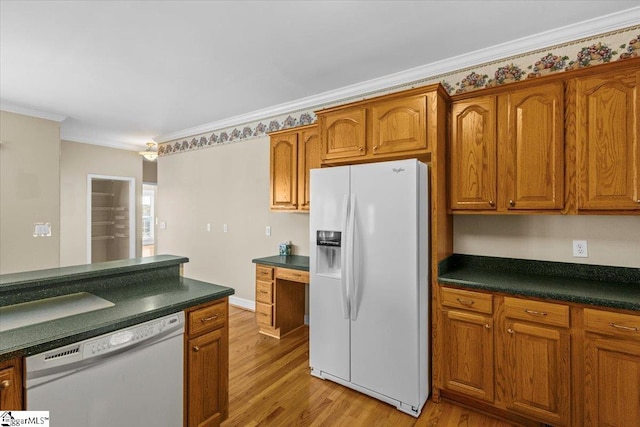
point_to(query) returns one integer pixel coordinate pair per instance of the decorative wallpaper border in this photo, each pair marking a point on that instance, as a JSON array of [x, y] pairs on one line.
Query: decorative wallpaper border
[[613, 46]]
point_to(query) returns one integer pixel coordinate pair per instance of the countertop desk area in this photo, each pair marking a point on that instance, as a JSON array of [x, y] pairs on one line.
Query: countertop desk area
[[280, 301]]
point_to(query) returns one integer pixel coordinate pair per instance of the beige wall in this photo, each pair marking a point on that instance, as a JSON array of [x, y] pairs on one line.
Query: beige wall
[[149, 172], [76, 162], [227, 184], [29, 192], [611, 240]]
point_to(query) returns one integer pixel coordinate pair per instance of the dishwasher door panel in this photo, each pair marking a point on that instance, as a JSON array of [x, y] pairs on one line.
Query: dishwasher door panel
[[140, 387]]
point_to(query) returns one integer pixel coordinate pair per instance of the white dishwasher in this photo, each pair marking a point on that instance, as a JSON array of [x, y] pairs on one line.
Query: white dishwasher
[[131, 377]]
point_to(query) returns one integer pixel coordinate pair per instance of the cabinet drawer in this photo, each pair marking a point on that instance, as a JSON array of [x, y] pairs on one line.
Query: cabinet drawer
[[264, 314], [264, 292], [207, 319], [467, 300], [264, 273], [293, 275], [537, 311], [610, 323]]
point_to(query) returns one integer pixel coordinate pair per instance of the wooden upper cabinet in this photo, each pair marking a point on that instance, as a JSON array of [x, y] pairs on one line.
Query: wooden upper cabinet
[[344, 133], [531, 148], [293, 153], [473, 154], [284, 171], [399, 126], [309, 157], [608, 156]]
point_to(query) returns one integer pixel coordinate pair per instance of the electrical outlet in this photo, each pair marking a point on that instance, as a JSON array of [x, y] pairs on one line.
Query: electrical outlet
[[268, 231], [580, 249], [208, 227], [225, 228]]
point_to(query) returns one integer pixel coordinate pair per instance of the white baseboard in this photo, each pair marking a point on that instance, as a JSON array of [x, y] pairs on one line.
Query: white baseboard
[[306, 319], [242, 303]]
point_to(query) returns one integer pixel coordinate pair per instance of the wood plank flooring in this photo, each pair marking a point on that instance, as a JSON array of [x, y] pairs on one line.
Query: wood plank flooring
[[270, 385]]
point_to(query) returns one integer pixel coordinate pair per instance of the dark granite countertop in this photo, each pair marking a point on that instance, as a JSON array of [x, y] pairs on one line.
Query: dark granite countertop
[[613, 287], [294, 262], [141, 290]]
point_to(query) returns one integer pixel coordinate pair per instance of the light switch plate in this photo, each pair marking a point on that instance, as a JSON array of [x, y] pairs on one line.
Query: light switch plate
[[42, 229]]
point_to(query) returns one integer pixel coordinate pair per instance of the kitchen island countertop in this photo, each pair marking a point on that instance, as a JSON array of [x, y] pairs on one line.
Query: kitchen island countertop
[[140, 289]]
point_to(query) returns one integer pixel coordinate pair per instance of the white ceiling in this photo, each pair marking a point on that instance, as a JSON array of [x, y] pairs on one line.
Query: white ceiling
[[125, 72]]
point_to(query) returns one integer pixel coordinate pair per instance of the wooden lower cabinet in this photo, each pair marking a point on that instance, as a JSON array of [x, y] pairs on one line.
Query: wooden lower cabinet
[[207, 365], [11, 385], [612, 369]]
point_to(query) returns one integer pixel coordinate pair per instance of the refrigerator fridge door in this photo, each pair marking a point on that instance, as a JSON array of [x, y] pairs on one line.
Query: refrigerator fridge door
[[385, 301], [329, 331]]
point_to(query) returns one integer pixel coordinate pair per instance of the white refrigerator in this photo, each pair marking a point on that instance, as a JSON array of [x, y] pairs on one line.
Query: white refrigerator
[[369, 275]]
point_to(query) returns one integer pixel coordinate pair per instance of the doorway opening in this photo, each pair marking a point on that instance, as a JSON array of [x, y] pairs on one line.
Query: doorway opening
[[111, 218]]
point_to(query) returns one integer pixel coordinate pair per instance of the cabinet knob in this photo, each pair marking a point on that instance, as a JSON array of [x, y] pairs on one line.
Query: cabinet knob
[[361, 149], [196, 348], [5, 384], [492, 203], [511, 331], [487, 326], [375, 148], [512, 203]]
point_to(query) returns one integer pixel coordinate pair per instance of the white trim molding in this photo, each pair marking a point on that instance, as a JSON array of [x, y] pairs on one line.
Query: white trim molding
[[242, 303], [32, 112]]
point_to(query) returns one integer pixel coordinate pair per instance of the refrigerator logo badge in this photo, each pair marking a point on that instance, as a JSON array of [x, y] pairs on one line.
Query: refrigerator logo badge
[[397, 170]]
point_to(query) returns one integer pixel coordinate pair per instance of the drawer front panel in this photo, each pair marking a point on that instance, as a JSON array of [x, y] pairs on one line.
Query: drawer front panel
[[264, 292], [537, 311], [264, 273], [264, 314], [610, 323], [467, 300], [207, 319], [293, 275]]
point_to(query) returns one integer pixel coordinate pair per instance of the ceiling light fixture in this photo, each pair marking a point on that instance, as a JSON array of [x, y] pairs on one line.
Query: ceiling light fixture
[[149, 154]]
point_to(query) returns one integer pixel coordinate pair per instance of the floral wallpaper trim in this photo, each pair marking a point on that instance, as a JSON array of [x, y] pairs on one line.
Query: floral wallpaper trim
[[612, 46]]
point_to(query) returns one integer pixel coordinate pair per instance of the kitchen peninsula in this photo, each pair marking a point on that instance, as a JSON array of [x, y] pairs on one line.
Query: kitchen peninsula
[[136, 291]]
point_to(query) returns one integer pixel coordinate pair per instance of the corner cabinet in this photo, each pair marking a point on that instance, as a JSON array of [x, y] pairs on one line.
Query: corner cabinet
[[11, 385], [207, 365], [607, 128], [517, 136], [293, 153]]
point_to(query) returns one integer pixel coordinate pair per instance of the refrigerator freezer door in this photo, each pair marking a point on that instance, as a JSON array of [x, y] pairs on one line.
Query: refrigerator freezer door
[[384, 336], [329, 330]]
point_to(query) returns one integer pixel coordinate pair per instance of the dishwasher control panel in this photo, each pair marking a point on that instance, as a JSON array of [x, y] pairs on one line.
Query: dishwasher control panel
[[130, 336]]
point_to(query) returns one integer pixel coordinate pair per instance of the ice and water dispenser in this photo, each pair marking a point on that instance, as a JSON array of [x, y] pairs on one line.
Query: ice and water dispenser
[[328, 245]]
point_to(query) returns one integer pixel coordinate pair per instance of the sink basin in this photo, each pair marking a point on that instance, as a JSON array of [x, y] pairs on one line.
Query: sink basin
[[43, 310]]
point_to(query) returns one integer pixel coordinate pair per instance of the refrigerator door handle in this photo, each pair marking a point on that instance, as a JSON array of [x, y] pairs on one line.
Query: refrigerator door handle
[[343, 257], [351, 260]]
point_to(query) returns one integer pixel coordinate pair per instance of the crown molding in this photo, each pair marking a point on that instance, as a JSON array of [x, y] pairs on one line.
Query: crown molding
[[567, 34], [101, 142], [28, 111]]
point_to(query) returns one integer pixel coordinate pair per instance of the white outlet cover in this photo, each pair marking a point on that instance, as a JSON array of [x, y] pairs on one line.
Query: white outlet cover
[[580, 249]]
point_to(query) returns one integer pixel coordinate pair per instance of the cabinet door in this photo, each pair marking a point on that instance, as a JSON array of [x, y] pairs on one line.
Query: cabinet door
[[284, 171], [608, 156], [612, 382], [473, 154], [206, 373], [468, 346], [309, 157], [537, 372], [531, 153], [343, 133], [10, 388], [399, 126]]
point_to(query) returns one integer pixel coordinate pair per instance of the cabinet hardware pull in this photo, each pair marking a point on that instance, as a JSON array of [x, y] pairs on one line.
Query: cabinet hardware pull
[[624, 328], [512, 203], [5, 384], [263, 292], [487, 326], [375, 148], [206, 319], [361, 149], [465, 301], [492, 203], [511, 331], [535, 313]]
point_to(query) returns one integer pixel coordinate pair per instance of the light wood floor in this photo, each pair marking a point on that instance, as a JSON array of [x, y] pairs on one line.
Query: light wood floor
[[270, 385]]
